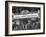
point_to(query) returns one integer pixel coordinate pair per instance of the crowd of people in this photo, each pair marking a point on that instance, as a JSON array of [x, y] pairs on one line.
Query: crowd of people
[[26, 24]]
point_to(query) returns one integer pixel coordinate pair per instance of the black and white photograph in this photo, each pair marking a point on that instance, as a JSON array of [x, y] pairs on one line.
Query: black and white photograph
[[23, 18]]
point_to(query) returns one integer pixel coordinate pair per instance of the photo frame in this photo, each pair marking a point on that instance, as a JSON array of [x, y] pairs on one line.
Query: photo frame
[[24, 18]]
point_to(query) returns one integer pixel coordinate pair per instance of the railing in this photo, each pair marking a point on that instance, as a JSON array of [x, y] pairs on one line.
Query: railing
[[26, 16]]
